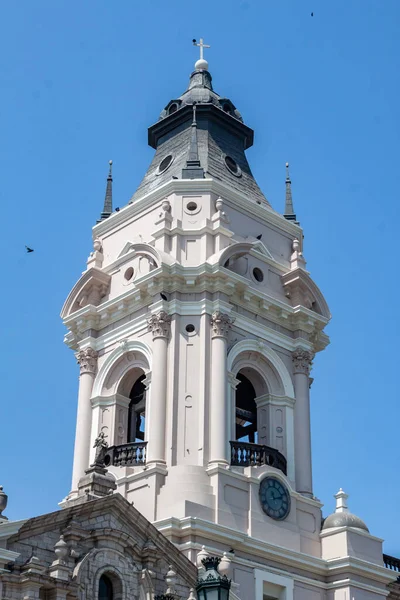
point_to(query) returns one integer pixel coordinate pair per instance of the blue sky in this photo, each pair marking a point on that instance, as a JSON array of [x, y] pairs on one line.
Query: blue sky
[[82, 81]]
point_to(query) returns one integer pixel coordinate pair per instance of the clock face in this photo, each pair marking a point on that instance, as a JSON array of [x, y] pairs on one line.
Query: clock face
[[275, 498]]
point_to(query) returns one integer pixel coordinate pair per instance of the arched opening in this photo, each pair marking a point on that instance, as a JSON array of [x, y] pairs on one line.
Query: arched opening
[[137, 411], [246, 410], [106, 591]]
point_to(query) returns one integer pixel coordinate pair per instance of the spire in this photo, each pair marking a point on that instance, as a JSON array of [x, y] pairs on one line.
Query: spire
[[289, 213], [193, 170], [107, 209]]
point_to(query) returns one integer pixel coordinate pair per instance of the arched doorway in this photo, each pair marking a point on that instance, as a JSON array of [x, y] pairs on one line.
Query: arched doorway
[[106, 591], [137, 411], [246, 410]]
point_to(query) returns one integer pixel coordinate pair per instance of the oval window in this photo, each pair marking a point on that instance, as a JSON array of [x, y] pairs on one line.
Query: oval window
[[190, 328], [258, 275], [191, 206], [164, 164], [232, 166], [128, 274]]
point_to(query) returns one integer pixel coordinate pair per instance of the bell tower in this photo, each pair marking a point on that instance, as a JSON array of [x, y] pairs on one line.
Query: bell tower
[[195, 325]]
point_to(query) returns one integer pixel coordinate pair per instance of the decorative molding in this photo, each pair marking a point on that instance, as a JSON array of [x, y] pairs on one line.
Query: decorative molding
[[159, 324], [269, 354], [221, 324], [302, 361], [136, 346], [87, 360], [232, 198]]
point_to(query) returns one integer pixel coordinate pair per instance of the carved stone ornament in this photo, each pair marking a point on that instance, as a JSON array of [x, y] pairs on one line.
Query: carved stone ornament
[[302, 361], [159, 324], [87, 360], [221, 324]]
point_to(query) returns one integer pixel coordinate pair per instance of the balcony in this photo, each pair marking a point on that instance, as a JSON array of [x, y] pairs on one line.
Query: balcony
[[125, 455], [246, 454], [393, 564]]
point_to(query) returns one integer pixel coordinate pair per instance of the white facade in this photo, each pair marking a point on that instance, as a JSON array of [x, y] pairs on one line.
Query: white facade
[[235, 308]]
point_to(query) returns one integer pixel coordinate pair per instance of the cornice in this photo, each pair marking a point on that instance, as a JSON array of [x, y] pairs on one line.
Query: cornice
[[9, 528], [230, 195]]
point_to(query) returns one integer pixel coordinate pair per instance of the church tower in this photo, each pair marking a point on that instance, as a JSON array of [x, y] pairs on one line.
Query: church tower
[[195, 325]]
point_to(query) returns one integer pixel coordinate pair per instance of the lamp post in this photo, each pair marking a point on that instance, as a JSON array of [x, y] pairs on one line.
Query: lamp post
[[211, 585]]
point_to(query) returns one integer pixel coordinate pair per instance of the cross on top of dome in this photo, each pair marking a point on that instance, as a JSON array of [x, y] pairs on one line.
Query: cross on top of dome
[[201, 64]]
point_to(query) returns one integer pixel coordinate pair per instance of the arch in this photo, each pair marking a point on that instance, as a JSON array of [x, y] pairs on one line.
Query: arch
[[90, 288], [299, 279], [121, 360], [142, 248], [265, 352], [238, 249], [106, 588]]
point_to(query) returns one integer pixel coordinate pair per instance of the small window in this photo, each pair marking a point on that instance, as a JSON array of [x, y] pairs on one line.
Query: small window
[[173, 108], [191, 206], [128, 274], [232, 166], [227, 107], [190, 328], [164, 164], [258, 275], [106, 591]]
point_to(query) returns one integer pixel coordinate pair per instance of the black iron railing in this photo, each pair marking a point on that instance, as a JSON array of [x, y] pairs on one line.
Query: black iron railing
[[125, 455], [392, 563], [246, 454]]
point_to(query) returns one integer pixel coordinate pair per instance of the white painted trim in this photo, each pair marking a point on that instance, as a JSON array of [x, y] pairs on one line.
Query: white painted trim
[[270, 355], [285, 583], [231, 197], [132, 346]]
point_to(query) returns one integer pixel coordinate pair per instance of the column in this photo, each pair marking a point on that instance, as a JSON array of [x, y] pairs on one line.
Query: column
[[160, 326], [221, 324], [87, 361], [302, 360]]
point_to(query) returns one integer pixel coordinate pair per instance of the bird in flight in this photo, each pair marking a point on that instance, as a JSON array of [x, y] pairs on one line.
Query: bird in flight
[[163, 296], [259, 236], [28, 249], [312, 14]]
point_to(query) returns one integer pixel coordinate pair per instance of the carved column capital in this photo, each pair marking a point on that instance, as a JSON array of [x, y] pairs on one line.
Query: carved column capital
[[159, 324], [87, 360], [221, 323], [302, 361]]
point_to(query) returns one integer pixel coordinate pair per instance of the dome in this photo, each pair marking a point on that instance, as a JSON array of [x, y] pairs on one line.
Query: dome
[[200, 91], [342, 517]]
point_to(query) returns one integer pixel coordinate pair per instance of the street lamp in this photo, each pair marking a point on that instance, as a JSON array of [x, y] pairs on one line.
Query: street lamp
[[211, 585]]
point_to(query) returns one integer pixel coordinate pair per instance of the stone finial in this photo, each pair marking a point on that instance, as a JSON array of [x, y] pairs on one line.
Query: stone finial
[[341, 501], [302, 361], [170, 580], [3, 504], [191, 594], [159, 324], [200, 556], [225, 565], [97, 247], [61, 549], [221, 324], [87, 360], [166, 205], [297, 259]]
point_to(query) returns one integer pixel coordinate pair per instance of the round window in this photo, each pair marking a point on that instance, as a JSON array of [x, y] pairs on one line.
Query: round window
[[190, 328], [128, 274], [191, 206], [258, 275], [232, 166], [164, 164]]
